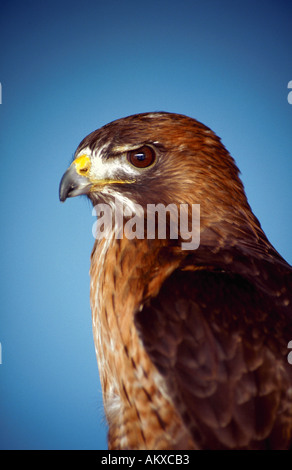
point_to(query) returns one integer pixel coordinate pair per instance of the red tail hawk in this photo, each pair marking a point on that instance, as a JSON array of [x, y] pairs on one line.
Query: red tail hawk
[[191, 343]]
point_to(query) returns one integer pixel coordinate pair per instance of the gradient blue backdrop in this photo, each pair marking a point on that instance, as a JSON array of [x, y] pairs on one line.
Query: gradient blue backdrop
[[66, 69]]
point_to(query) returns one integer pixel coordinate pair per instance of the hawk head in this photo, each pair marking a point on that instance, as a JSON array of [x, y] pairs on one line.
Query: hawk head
[[156, 158]]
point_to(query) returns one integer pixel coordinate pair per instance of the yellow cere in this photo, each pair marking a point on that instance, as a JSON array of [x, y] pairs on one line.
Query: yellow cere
[[82, 164]]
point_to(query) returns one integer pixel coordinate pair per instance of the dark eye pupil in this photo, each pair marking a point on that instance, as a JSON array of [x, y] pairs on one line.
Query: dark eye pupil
[[140, 156]]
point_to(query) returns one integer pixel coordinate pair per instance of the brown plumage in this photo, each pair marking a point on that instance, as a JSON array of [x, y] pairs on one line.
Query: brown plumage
[[191, 344]]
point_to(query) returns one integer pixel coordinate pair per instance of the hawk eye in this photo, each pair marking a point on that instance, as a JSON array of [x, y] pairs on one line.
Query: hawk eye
[[142, 157]]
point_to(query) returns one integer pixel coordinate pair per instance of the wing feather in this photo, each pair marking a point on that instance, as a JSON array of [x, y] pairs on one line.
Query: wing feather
[[213, 338]]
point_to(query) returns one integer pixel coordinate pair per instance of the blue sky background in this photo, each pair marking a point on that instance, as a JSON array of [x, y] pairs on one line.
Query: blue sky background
[[67, 68]]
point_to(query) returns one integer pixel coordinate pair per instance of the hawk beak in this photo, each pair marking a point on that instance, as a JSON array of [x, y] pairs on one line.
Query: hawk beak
[[74, 181]]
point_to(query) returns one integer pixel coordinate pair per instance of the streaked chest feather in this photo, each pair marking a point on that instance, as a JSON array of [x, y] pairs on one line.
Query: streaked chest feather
[[135, 399]]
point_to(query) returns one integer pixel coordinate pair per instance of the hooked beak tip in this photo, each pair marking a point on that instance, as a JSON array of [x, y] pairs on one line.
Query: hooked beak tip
[[72, 184]]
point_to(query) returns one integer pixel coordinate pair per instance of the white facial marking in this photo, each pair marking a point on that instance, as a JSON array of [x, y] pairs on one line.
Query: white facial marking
[[109, 168], [122, 200]]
